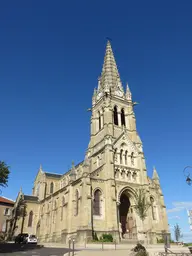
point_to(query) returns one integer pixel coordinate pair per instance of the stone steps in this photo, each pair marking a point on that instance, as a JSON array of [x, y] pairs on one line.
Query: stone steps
[[129, 241]]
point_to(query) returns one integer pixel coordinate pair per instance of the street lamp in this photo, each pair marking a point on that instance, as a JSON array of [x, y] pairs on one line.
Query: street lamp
[[187, 175]]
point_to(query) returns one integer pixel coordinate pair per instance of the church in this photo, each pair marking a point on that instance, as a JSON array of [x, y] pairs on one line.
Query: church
[[98, 194]]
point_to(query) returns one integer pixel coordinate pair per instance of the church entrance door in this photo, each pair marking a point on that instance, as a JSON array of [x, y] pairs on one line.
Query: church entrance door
[[123, 211]]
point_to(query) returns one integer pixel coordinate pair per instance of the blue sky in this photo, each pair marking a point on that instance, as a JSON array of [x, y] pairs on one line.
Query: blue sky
[[51, 54]]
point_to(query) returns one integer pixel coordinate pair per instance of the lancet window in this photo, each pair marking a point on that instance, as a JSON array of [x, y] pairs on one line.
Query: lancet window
[[126, 157], [30, 220], [51, 188], [122, 117], [76, 210], [152, 208], [115, 115], [97, 203], [121, 156]]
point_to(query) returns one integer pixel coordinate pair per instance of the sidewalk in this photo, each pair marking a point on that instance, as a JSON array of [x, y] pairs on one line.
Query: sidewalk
[[92, 249], [152, 252]]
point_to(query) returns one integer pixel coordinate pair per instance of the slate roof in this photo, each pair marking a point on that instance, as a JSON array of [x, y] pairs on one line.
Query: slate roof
[[6, 200], [53, 175], [31, 198]]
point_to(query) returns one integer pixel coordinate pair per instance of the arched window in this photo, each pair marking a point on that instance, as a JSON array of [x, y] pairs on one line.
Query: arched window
[[30, 220], [121, 156], [126, 157], [62, 205], [134, 176], [51, 188], [115, 116], [99, 115], [102, 118], [122, 117], [97, 203], [115, 155], [132, 158], [45, 191], [63, 201], [152, 207], [76, 202]]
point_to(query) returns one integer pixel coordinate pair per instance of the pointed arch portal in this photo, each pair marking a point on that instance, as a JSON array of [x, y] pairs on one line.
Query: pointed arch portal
[[123, 211]]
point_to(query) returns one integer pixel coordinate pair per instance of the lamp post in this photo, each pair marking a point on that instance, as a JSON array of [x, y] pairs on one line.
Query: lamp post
[[187, 175]]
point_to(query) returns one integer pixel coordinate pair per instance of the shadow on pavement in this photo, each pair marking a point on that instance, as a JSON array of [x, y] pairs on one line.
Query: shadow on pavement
[[9, 248]]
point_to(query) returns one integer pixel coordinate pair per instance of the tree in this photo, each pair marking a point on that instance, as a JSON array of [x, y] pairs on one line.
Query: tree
[[177, 232], [19, 211], [4, 174], [141, 204]]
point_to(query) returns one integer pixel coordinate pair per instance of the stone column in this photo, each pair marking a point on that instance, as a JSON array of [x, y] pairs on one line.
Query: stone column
[[119, 118]]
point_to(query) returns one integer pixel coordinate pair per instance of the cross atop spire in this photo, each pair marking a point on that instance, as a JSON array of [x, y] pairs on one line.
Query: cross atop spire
[[110, 79]]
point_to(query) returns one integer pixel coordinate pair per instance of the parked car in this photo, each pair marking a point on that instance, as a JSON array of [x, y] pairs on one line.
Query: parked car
[[21, 238], [26, 238], [31, 239]]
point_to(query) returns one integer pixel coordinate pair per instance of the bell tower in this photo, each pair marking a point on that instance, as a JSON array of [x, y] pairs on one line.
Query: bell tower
[[112, 117], [112, 107]]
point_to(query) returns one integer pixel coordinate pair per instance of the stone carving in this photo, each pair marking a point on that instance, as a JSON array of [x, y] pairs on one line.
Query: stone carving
[[126, 174], [108, 140]]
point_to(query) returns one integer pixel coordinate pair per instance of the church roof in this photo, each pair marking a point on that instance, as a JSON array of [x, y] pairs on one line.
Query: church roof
[[6, 200], [31, 198], [53, 175]]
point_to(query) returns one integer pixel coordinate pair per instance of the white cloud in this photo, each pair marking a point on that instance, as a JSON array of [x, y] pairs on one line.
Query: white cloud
[[180, 206], [174, 217], [176, 209]]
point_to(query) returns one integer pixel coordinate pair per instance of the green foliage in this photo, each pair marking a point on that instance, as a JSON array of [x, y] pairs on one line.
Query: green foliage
[[106, 238], [19, 212], [2, 237], [177, 232], [142, 253], [141, 204], [95, 237], [4, 174], [187, 244], [21, 208], [160, 241], [139, 248]]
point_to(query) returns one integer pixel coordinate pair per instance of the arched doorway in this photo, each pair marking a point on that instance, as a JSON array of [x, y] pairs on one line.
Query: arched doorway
[[123, 211]]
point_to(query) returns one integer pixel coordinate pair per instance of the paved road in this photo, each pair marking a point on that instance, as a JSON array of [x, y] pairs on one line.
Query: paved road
[[30, 250]]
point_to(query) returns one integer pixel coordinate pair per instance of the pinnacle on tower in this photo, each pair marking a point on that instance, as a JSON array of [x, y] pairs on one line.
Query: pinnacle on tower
[[155, 175], [110, 78], [128, 94], [40, 168]]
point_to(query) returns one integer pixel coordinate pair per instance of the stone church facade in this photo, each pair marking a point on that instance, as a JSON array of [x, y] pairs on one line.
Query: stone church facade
[[98, 194]]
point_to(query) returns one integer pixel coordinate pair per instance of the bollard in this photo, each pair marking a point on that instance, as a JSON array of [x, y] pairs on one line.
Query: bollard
[[69, 247], [102, 246], [73, 253], [115, 244], [85, 243]]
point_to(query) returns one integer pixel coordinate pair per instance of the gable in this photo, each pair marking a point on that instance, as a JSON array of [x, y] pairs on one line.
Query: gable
[[39, 174], [125, 142]]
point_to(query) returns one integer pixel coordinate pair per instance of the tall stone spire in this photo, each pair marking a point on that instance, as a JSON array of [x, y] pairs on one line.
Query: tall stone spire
[[110, 79]]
